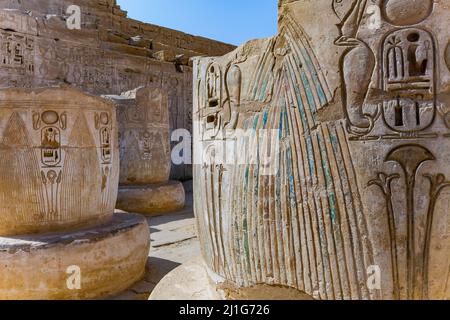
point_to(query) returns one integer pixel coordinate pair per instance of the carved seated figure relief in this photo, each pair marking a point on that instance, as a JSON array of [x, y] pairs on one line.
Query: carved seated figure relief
[[322, 153]]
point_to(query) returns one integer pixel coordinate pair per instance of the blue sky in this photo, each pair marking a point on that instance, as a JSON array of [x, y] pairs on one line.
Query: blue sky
[[231, 21]]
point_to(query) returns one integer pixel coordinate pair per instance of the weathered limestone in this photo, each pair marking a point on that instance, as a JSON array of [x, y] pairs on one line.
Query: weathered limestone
[[110, 54], [145, 154], [59, 172], [343, 173]]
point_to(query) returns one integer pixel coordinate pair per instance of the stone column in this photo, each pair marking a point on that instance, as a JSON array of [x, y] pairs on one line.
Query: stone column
[[59, 173], [341, 127], [145, 154]]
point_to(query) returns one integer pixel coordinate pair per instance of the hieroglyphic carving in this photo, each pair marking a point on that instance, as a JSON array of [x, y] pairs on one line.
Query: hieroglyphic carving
[[111, 54], [410, 158], [17, 53], [144, 129], [438, 184], [355, 82], [233, 84], [213, 100], [103, 124], [100, 58], [222, 97], [18, 22], [404, 90], [384, 182], [50, 123], [408, 75]]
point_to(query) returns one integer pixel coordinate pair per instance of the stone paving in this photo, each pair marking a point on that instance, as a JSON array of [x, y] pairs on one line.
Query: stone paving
[[173, 242]]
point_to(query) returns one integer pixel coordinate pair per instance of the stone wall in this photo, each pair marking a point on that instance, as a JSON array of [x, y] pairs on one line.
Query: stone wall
[[110, 54]]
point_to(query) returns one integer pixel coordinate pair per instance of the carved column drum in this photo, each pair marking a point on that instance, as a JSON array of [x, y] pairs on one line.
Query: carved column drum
[[322, 153], [145, 154], [59, 175], [144, 138], [59, 160]]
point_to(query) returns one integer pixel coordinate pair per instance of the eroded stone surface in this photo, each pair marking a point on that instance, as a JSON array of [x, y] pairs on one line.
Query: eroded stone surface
[[357, 94], [189, 281], [193, 281]]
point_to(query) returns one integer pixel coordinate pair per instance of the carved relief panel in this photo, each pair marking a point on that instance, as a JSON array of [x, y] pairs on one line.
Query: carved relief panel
[[401, 101], [358, 98], [219, 96], [17, 53]]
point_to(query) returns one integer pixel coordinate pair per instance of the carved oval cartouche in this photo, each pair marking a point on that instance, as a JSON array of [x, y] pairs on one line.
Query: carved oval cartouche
[[447, 56], [50, 117], [407, 12]]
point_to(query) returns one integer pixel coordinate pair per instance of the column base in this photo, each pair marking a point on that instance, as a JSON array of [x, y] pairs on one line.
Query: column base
[[108, 259], [194, 281], [190, 281], [152, 199]]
